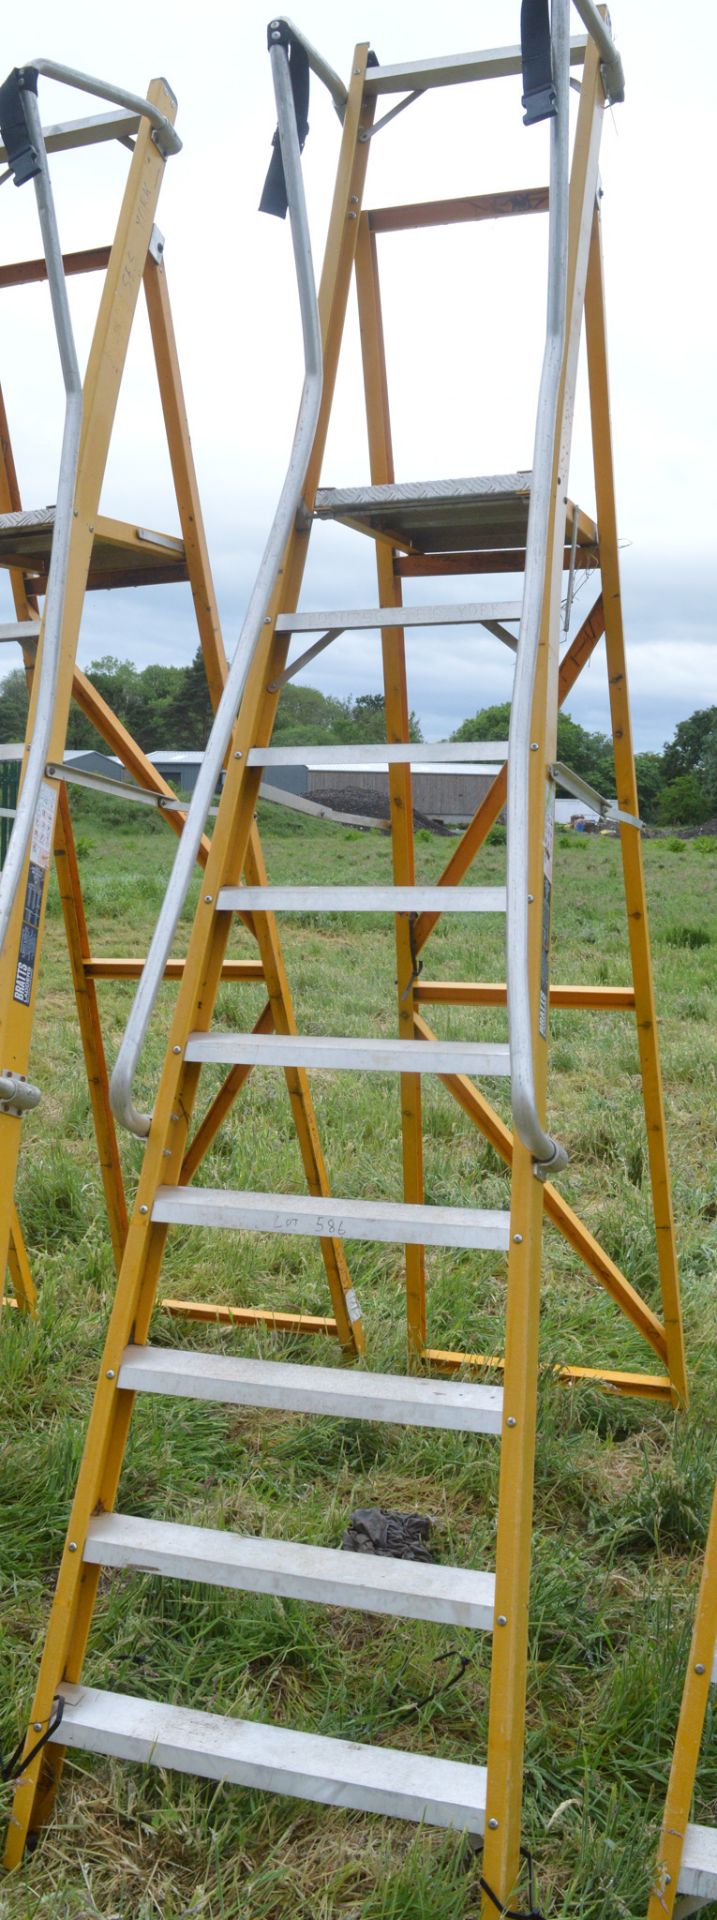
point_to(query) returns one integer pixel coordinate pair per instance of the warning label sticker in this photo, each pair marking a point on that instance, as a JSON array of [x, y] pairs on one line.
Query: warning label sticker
[[43, 829], [545, 962], [40, 851]]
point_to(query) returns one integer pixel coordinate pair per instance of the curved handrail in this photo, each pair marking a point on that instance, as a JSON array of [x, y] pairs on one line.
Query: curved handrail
[[549, 1155], [611, 65], [48, 668], [326, 74], [21, 835], [121, 1085], [134, 102]]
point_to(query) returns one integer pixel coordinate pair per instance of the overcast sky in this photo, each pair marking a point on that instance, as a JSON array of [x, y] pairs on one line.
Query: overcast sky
[[464, 316]]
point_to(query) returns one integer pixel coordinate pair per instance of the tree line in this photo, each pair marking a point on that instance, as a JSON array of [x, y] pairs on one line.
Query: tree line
[[169, 707], [675, 787]]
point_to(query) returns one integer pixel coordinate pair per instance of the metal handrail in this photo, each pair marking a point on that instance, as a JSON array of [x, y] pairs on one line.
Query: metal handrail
[[21, 835], [548, 1154], [169, 141], [121, 1085], [610, 63], [317, 63]]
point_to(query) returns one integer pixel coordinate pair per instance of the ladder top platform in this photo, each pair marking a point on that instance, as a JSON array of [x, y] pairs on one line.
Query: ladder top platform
[[435, 516], [122, 555]]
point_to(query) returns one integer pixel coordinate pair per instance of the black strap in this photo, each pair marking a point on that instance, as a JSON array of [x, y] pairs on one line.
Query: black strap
[[273, 199], [23, 157], [14, 1767], [442, 1686], [539, 96], [512, 1913], [416, 964]]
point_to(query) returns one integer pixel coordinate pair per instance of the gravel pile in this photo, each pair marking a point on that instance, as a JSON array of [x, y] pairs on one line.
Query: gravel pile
[[374, 806]]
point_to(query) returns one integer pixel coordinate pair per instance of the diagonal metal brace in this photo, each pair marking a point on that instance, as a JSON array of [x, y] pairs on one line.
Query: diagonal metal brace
[[606, 809], [367, 133]]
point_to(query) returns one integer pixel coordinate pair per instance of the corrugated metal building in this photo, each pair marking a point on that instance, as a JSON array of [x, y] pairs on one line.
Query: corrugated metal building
[[442, 792]]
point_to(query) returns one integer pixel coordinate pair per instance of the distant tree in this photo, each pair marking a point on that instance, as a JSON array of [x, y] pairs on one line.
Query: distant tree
[[589, 754], [683, 802], [650, 781], [685, 753], [366, 720], [13, 706], [142, 699], [160, 690], [304, 714], [710, 768], [170, 707], [188, 713], [489, 723]]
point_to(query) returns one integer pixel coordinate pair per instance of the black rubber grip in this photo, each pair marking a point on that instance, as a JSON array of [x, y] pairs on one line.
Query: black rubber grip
[[23, 158]]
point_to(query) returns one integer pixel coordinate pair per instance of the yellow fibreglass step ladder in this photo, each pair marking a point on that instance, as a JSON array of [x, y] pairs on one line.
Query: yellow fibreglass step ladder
[[61, 555], [51, 551], [528, 520]]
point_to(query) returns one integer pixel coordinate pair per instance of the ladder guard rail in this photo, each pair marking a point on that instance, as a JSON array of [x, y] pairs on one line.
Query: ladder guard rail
[[317, 63], [168, 142], [17, 1095], [611, 65], [21, 836], [121, 1085], [168, 139], [549, 1156]]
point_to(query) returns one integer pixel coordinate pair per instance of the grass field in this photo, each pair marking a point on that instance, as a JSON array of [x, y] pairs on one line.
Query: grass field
[[622, 1492]]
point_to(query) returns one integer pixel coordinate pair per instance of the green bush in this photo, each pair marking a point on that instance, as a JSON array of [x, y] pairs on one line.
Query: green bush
[[683, 799], [675, 846]]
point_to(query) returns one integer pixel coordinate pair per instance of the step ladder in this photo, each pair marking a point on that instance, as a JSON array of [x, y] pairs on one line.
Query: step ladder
[[685, 1877], [50, 552], [528, 517], [102, 553]]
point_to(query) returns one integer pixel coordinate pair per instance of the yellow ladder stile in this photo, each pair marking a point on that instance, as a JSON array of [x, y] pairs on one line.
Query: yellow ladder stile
[[685, 1874]]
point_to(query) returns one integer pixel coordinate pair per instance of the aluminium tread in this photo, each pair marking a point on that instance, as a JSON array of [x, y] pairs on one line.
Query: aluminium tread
[[413, 1590], [368, 1055], [306, 1766], [383, 753], [320, 1217], [458, 1406], [355, 619], [698, 1870], [361, 900]]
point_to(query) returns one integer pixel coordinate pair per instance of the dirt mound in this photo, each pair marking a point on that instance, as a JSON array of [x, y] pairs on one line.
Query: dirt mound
[[707, 829], [373, 806]]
